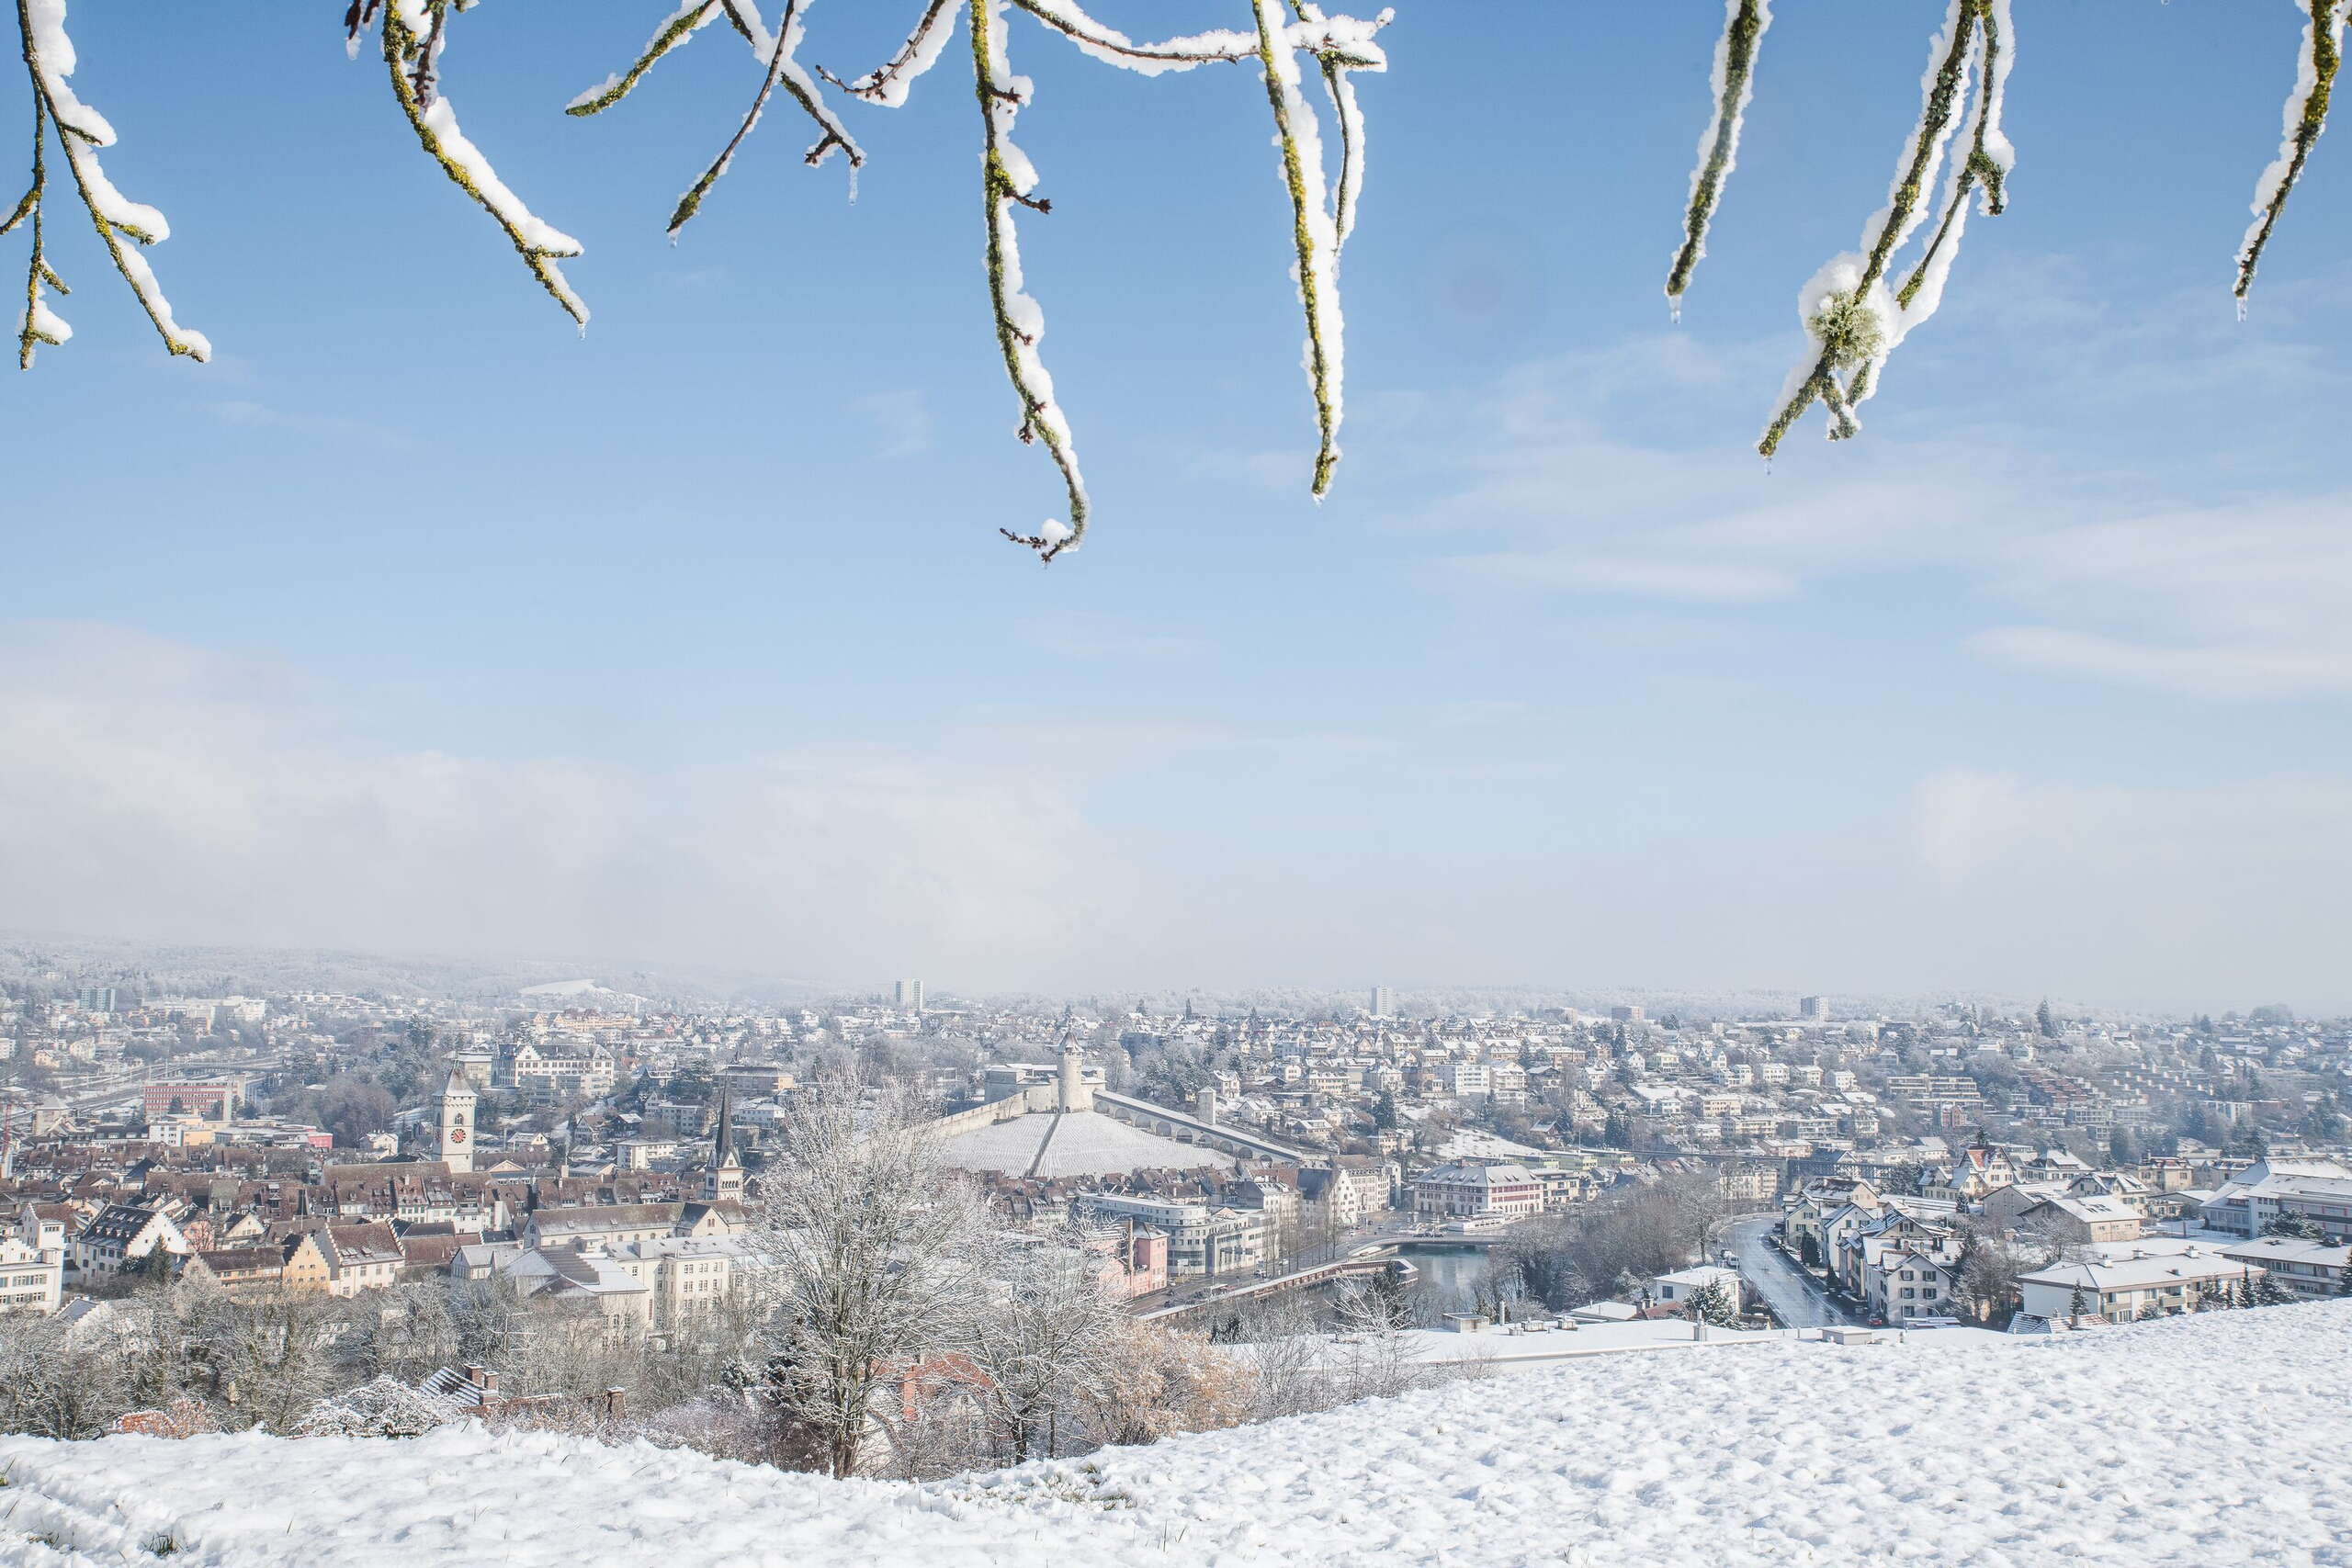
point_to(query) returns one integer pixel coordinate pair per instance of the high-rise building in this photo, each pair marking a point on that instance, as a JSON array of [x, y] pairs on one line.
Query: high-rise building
[[1625, 1015], [907, 996], [1814, 1010], [95, 998], [1383, 1002]]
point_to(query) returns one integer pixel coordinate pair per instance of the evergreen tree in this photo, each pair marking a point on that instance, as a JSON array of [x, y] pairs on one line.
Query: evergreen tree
[[2294, 1227], [2268, 1292], [1384, 1111], [2044, 1022], [1711, 1303], [2077, 1306], [2344, 1281]]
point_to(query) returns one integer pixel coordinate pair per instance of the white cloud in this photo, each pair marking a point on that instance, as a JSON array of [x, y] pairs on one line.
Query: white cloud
[[2242, 672], [1687, 581], [1082, 635], [246, 413], [2248, 600], [2234, 889], [2238, 599], [901, 421], [152, 790]]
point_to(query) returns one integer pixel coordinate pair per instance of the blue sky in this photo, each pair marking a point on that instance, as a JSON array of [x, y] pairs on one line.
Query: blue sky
[[418, 619]]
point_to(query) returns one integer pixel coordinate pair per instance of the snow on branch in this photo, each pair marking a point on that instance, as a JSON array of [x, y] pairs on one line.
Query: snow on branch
[[785, 69], [2306, 118], [1855, 311], [1734, 82], [413, 34], [1007, 178], [81, 131], [1313, 233], [675, 30], [1852, 319]]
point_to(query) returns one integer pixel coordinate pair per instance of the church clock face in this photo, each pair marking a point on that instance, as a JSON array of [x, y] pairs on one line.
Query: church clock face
[[456, 1135]]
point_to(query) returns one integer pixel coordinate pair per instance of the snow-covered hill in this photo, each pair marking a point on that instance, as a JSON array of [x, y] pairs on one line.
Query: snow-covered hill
[[2217, 1440]]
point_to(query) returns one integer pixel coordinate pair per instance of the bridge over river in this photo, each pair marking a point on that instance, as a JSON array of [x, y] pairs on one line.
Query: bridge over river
[[1383, 1257]]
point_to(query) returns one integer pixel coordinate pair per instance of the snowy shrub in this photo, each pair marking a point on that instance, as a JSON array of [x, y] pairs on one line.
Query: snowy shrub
[[384, 1408], [718, 1426]]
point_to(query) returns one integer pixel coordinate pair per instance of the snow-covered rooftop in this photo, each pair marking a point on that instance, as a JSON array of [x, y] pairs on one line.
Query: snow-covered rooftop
[[1075, 1143], [1944, 1451]]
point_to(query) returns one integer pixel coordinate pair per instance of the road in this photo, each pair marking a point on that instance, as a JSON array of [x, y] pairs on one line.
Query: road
[[1792, 1294]]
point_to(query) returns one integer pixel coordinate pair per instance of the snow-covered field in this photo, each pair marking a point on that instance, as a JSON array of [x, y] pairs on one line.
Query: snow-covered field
[[2218, 1441]]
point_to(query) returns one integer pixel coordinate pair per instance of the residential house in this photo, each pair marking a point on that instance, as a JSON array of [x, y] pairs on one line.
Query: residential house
[[119, 1238], [2309, 1269], [361, 1258], [2317, 1190], [2142, 1285], [1678, 1288], [2070, 1220]]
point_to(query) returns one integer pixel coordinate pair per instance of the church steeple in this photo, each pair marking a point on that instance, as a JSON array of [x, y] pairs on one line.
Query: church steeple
[[457, 1142], [725, 1181]]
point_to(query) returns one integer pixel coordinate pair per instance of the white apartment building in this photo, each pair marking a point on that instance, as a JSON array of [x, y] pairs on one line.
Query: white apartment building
[[2311, 1270], [1465, 1191], [545, 1078], [689, 1277], [1201, 1240], [2319, 1190], [2120, 1289], [31, 1279]]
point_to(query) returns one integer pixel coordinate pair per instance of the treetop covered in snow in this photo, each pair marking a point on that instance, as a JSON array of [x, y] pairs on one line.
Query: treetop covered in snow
[[1855, 311]]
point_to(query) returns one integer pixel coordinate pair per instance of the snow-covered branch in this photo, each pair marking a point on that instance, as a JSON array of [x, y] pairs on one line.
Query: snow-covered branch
[[1733, 84], [1855, 311], [2306, 118], [1852, 319], [81, 131], [414, 33], [1007, 178], [783, 69], [1313, 234], [676, 29]]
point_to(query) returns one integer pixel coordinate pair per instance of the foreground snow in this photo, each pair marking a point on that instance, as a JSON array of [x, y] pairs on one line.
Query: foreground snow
[[2217, 1440]]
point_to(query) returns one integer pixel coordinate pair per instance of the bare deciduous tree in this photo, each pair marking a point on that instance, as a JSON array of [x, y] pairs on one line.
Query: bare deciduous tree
[[872, 1253], [1046, 1332]]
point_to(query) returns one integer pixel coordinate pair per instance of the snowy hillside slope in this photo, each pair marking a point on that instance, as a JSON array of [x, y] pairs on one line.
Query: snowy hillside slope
[[2216, 1441]]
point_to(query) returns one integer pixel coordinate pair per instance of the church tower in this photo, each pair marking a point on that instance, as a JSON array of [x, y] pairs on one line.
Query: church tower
[[457, 1122], [724, 1182]]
